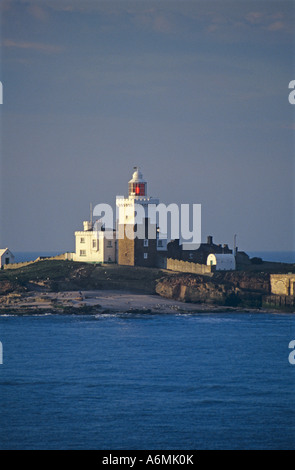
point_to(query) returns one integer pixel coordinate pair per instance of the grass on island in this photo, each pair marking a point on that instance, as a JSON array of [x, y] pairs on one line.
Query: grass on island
[[68, 275]]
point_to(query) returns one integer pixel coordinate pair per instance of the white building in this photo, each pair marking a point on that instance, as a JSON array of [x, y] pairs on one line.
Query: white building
[[95, 244], [6, 257], [223, 262]]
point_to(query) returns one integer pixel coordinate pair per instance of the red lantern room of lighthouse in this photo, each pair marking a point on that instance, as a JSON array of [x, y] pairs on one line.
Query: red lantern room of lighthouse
[[137, 185]]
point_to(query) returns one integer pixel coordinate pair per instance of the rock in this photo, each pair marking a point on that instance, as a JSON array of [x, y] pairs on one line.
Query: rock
[[6, 287], [230, 289]]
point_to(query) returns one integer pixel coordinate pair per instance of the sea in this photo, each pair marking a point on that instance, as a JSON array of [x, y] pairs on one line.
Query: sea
[[147, 382]]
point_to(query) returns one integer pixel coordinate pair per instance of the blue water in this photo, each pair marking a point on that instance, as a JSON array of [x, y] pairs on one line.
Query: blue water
[[276, 256], [147, 382], [24, 256]]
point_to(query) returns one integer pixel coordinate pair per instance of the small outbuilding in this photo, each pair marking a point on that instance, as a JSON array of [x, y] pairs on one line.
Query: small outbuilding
[[6, 257], [223, 262]]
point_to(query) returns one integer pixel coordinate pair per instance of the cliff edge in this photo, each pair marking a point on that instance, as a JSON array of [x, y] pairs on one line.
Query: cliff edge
[[228, 289]]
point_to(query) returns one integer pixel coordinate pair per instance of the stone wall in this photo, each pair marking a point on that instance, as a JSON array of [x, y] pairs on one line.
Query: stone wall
[[17, 265], [281, 302], [283, 284], [187, 267], [132, 251], [126, 252], [63, 256]]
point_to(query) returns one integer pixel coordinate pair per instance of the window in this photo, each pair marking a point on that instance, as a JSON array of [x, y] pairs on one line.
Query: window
[[137, 188], [109, 245], [82, 252], [145, 256], [82, 240], [160, 243], [94, 244], [145, 243]]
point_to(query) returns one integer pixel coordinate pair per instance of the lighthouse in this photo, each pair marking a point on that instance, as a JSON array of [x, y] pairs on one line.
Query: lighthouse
[[137, 185], [139, 249]]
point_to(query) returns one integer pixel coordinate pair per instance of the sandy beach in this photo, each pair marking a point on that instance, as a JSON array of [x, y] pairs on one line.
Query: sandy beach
[[99, 301]]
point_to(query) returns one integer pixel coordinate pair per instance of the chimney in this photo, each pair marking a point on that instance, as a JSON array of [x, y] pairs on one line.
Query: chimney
[[87, 226], [210, 240]]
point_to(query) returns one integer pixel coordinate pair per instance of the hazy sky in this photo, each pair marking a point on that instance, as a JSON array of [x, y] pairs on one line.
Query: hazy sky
[[193, 92]]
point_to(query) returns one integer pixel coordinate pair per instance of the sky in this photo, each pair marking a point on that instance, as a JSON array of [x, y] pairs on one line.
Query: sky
[[195, 93]]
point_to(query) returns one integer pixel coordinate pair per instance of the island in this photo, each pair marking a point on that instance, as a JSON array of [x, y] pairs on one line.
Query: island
[[57, 286]]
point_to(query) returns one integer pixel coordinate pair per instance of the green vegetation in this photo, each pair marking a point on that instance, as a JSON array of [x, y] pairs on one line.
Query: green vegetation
[[61, 275], [41, 270], [127, 278]]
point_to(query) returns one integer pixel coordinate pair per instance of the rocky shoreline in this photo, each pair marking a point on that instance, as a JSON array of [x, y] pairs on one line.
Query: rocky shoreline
[[63, 287], [104, 302]]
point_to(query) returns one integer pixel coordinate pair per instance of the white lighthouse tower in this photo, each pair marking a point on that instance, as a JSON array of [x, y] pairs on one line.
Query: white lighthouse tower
[[137, 195], [133, 218]]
